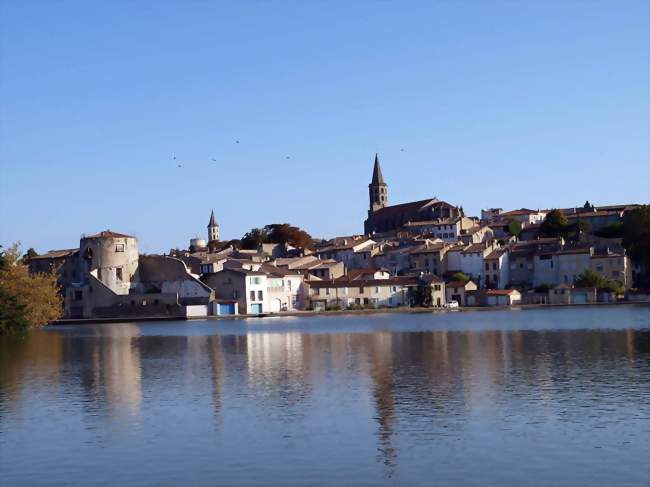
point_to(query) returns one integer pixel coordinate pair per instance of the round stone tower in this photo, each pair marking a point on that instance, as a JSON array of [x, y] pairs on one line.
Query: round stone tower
[[110, 257]]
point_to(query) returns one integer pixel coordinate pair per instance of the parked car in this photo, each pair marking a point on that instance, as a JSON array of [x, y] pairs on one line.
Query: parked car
[[452, 304]]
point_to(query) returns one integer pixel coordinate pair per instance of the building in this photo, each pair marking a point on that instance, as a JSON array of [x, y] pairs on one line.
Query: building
[[214, 233], [566, 294], [524, 216], [354, 252], [501, 297], [496, 270], [613, 266], [286, 290], [488, 215], [457, 291], [245, 286], [115, 281], [373, 293], [383, 218]]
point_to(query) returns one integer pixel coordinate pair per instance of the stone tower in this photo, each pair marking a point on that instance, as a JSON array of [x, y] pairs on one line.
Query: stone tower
[[213, 228], [377, 189]]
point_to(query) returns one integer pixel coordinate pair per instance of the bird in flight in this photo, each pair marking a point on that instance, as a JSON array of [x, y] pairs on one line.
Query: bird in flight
[[236, 142], [288, 157], [214, 160], [402, 149], [180, 165]]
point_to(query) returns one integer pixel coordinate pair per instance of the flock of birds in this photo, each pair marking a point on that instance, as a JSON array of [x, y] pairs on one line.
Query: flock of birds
[[236, 142]]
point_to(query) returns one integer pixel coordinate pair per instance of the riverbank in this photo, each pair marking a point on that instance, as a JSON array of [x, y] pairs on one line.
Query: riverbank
[[406, 310]]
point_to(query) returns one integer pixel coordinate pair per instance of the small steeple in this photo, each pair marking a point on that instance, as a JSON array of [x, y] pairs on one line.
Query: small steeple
[[213, 228], [377, 176], [378, 189], [213, 220]]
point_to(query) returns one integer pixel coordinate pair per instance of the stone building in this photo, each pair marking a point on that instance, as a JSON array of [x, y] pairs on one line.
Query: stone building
[[383, 218]]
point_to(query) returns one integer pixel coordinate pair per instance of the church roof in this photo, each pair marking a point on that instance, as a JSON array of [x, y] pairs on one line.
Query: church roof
[[377, 176], [213, 220]]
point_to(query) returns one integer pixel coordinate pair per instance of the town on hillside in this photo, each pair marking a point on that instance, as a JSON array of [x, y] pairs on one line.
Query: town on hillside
[[425, 253]]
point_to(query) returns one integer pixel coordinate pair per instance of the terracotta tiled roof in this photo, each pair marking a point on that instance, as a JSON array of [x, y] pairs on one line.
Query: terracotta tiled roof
[[56, 254]]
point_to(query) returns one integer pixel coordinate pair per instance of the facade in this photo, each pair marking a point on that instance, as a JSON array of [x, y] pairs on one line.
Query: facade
[[501, 297], [524, 216], [247, 287], [458, 290], [566, 294], [496, 269], [614, 266], [373, 293]]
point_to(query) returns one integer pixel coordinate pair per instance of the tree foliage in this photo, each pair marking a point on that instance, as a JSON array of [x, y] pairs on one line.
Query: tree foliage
[[26, 299], [280, 233], [423, 296], [636, 240], [460, 276], [555, 224], [514, 227], [591, 278]]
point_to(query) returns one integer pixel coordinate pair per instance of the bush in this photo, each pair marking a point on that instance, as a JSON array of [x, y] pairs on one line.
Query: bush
[[544, 288], [26, 299], [460, 276]]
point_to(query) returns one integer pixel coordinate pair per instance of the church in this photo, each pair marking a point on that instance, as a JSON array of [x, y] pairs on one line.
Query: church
[[383, 218]]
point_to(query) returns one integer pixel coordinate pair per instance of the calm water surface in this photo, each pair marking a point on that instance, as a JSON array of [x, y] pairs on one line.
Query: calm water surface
[[505, 398]]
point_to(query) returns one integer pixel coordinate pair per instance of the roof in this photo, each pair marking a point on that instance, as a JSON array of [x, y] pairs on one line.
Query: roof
[[108, 234], [499, 292], [521, 211], [403, 207], [377, 176], [477, 247], [391, 281], [56, 254], [278, 271], [213, 220], [424, 223], [457, 283], [495, 254]]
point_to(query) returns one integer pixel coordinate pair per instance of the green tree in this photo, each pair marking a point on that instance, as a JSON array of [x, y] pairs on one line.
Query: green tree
[[460, 276], [26, 299], [29, 254], [590, 278], [636, 241], [254, 238], [514, 227], [423, 296], [554, 225]]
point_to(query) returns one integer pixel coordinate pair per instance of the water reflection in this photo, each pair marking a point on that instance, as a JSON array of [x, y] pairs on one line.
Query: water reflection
[[426, 389]]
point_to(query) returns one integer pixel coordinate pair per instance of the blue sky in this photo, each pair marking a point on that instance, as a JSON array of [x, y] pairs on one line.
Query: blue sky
[[495, 103]]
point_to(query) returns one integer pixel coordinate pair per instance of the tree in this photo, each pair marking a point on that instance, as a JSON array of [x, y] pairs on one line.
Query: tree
[[254, 238], [590, 278], [29, 254], [555, 224], [423, 296], [636, 241], [514, 227], [460, 276], [284, 233], [26, 299]]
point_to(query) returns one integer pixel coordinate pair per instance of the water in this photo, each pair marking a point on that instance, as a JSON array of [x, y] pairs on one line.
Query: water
[[506, 398]]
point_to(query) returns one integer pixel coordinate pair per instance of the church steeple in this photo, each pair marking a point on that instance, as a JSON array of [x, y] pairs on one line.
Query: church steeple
[[377, 176], [377, 189], [213, 228]]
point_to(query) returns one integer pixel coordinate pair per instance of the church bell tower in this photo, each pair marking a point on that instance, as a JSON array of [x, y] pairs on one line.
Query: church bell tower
[[213, 228], [377, 189]]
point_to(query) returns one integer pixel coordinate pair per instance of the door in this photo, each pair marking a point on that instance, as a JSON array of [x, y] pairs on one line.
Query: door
[[579, 298], [276, 305], [256, 309], [227, 309]]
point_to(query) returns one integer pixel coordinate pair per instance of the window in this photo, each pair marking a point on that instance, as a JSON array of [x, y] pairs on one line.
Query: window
[[487, 266], [252, 294], [118, 273], [377, 290], [99, 274], [494, 266], [78, 295], [360, 290], [260, 295], [119, 248], [235, 295], [327, 291], [436, 287], [394, 289]]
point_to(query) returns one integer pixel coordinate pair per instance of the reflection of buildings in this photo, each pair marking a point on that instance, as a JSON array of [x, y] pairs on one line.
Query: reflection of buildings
[[116, 368]]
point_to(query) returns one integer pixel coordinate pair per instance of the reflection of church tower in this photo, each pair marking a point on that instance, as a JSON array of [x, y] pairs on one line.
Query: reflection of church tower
[[377, 189], [213, 228]]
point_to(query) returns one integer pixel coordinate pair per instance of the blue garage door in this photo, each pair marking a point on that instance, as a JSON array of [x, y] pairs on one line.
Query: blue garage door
[[227, 309], [256, 308]]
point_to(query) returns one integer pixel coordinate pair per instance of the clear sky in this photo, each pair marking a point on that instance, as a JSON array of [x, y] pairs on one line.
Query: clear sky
[[494, 103]]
